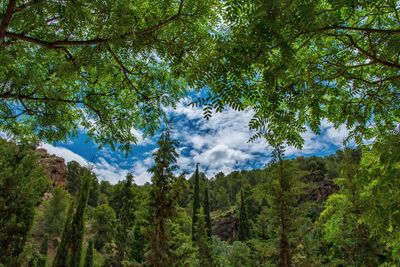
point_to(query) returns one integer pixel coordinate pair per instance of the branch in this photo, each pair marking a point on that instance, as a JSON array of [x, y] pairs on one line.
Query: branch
[[368, 30], [59, 44], [6, 18]]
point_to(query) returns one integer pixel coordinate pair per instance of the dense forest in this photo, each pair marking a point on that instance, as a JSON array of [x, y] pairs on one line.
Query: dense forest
[[339, 210], [111, 69]]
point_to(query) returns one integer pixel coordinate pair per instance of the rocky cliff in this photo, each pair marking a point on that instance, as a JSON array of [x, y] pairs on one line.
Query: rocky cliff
[[54, 166]]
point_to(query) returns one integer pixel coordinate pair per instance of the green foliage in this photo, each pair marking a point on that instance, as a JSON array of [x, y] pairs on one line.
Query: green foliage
[[69, 251], [22, 183], [107, 73], [203, 241], [240, 255], [360, 222], [196, 202], [51, 220], [89, 255], [104, 221], [302, 63], [123, 202], [162, 200], [244, 224], [74, 177], [207, 217]]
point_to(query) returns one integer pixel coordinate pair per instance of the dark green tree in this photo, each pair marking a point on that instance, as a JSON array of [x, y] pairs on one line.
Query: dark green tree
[[22, 183], [78, 222], [123, 202], [244, 224], [206, 209], [162, 201], [41, 260], [203, 242], [89, 255], [104, 221], [61, 258], [196, 201], [70, 250]]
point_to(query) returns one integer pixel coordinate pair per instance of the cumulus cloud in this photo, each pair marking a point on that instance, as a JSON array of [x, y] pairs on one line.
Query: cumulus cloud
[[218, 144], [102, 168]]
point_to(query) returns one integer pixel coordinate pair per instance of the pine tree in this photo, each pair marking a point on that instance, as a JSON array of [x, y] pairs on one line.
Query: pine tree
[[89, 255], [196, 201], [206, 208], [244, 225], [123, 203], [162, 206]]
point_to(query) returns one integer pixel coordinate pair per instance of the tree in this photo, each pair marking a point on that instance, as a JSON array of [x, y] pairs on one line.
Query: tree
[[206, 208], [203, 242], [89, 255], [54, 214], [70, 250], [74, 176], [244, 224], [357, 221], [41, 257], [104, 221], [22, 183], [196, 201], [303, 63], [123, 202], [74, 72], [162, 201], [61, 258]]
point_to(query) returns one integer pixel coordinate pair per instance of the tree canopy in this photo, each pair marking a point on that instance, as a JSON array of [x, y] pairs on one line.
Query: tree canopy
[[295, 63], [105, 66]]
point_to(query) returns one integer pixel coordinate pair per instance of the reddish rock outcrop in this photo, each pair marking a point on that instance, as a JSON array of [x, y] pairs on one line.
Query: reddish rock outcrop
[[226, 227], [54, 167]]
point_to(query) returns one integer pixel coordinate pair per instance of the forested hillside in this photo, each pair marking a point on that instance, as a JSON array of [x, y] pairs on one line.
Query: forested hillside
[[304, 211], [92, 79]]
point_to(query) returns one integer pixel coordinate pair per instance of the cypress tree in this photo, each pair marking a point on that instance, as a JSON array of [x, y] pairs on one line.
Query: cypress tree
[[206, 208], [78, 224], [89, 255], [196, 201], [162, 205], [244, 225], [203, 242], [70, 250], [43, 252], [61, 257]]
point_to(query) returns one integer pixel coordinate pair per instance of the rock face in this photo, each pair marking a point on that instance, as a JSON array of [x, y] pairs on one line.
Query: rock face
[[226, 227], [54, 167]]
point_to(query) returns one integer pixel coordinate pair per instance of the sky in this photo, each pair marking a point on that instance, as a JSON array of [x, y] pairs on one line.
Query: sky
[[219, 145]]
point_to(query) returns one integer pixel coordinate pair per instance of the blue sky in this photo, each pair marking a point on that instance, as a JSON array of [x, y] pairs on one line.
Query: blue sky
[[219, 144]]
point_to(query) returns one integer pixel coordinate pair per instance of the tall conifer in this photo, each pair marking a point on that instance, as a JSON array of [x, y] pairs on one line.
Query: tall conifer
[[196, 201], [244, 225], [89, 255], [162, 206], [206, 208], [70, 250]]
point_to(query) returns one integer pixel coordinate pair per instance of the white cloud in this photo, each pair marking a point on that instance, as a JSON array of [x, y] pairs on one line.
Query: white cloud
[[65, 153], [218, 144], [103, 169]]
